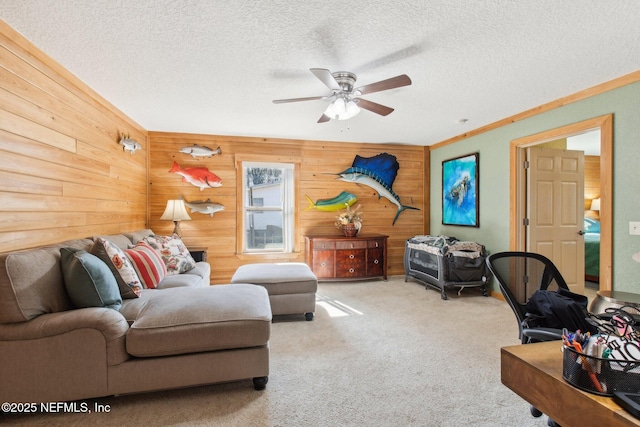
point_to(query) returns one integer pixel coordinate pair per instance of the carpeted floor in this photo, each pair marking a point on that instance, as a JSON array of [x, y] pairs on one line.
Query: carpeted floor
[[377, 354]]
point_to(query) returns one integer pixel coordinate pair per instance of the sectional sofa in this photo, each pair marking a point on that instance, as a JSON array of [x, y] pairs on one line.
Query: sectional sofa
[[183, 333]]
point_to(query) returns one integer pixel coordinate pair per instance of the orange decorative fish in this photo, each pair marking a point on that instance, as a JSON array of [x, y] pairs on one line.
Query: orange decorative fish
[[200, 177]]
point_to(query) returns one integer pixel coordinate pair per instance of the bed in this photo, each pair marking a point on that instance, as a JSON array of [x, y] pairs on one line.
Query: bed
[[592, 250]]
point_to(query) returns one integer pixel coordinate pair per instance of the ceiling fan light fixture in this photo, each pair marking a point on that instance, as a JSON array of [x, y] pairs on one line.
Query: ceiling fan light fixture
[[346, 97], [352, 109], [342, 109], [339, 107]]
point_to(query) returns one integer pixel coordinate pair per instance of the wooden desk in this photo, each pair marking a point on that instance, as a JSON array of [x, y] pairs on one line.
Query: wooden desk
[[534, 372]]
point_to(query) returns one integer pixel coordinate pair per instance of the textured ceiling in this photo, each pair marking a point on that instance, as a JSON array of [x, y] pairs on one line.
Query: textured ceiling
[[215, 66]]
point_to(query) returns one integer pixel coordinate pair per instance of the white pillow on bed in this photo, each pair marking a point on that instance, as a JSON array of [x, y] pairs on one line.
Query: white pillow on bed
[[591, 225]]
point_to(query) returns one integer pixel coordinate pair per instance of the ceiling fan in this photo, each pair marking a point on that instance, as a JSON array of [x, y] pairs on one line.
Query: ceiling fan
[[345, 99]]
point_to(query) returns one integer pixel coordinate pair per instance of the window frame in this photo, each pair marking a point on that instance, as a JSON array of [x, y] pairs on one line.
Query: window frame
[[290, 234]]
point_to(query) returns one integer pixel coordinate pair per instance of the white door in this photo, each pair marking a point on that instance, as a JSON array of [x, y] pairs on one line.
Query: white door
[[555, 185]]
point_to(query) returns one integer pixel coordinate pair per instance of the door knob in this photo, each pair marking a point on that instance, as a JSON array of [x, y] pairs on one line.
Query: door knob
[[581, 233]]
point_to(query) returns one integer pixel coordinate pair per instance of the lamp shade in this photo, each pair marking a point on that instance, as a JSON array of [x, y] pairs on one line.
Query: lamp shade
[[595, 204], [342, 109], [175, 211]]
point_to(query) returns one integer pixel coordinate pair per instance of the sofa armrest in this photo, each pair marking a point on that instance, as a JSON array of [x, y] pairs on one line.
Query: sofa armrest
[[61, 356], [109, 322]]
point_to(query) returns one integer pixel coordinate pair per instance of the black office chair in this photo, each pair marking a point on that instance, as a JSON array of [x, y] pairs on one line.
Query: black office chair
[[519, 275]]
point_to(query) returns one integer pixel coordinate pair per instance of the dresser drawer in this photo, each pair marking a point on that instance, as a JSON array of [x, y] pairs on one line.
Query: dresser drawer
[[320, 245], [351, 269], [351, 244], [378, 243], [351, 256], [351, 263], [351, 272], [375, 262], [323, 264]]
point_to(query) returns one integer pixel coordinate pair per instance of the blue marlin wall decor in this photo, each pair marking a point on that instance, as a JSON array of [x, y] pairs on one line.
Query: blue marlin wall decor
[[378, 172]]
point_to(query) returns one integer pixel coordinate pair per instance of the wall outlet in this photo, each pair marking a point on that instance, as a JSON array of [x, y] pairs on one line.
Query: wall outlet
[[634, 228]]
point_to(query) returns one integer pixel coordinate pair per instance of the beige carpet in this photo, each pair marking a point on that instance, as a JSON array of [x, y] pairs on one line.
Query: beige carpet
[[377, 354]]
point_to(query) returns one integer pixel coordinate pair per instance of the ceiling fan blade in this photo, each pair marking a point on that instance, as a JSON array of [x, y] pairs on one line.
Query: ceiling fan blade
[[324, 118], [374, 107], [326, 77], [392, 83], [310, 98], [398, 55]]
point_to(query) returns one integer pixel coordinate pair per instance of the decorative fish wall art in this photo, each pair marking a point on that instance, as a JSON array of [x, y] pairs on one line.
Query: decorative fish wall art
[[199, 176], [200, 151], [128, 144], [378, 172], [207, 207], [341, 201]]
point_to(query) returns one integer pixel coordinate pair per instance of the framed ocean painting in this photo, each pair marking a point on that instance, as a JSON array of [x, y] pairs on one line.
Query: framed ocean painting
[[460, 199]]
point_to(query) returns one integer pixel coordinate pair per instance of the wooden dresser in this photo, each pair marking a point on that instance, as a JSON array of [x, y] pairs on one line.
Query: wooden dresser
[[347, 258]]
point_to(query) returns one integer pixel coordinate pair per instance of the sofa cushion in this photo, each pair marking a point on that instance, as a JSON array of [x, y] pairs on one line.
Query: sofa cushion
[[148, 264], [31, 282], [136, 236], [175, 254], [88, 280], [198, 276], [182, 280], [189, 320], [279, 278], [120, 240], [121, 267]]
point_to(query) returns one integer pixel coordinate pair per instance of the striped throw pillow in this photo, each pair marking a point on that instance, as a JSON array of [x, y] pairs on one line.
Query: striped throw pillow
[[148, 264]]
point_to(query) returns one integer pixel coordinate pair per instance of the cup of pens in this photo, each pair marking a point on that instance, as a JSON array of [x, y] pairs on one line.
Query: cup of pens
[[604, 363]]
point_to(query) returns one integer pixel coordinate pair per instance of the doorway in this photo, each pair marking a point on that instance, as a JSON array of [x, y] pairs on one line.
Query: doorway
[[555, 208], [518, 194]]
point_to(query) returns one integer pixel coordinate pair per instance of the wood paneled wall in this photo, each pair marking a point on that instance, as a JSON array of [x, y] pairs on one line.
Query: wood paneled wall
[[63, 174], [320, 162]]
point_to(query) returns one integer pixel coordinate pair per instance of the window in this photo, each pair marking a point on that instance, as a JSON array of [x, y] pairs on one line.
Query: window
[[268, 207]]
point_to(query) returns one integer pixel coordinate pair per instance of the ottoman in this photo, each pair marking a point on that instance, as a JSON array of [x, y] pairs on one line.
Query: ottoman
[[291, 286]]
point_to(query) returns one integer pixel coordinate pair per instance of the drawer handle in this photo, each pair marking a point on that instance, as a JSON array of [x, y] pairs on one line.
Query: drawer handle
[[324, 264], [375, 261], [351, 245], [351, 270], [351, 256], [376, 244]]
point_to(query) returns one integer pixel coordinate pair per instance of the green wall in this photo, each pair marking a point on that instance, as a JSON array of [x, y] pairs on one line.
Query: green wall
[[493, 147]]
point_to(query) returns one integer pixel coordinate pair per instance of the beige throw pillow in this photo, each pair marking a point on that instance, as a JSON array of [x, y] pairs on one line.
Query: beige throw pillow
[[121, 267]]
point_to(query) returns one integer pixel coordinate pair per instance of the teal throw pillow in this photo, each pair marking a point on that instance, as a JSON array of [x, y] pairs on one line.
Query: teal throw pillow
[[89, 281]]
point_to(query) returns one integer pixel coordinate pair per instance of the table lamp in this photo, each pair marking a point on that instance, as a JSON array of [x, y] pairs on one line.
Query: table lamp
[[176, 212]]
